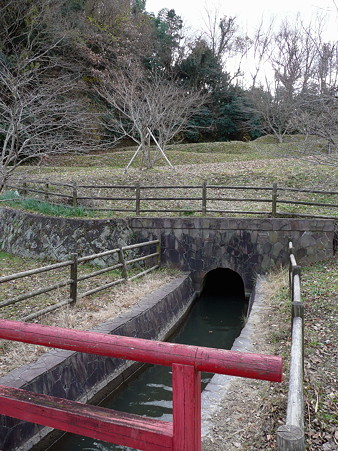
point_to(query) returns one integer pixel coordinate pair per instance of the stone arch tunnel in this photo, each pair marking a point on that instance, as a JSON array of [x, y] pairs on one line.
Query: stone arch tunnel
[[247, 246]]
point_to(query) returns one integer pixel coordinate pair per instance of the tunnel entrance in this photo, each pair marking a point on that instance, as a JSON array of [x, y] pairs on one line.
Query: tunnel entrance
[[223, 282]]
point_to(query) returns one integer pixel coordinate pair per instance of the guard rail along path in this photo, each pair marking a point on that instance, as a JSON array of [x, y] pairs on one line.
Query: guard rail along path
[[201, 199], [187, 362], [74, 277], [290, 437]]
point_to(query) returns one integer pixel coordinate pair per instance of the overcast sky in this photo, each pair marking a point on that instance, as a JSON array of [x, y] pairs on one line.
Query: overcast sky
[[250, 12]]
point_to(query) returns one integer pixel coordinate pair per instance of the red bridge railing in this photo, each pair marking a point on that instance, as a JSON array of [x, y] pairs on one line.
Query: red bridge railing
[[187, 362]]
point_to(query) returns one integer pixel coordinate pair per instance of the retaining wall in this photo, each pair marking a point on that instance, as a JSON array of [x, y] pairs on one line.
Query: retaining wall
[[249, 246]]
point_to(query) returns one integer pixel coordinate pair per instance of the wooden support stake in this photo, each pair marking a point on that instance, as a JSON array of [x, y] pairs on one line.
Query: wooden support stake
[[160, 148], [274, 200], [73, 276], [186, 408], [124, 272], [204, 198]]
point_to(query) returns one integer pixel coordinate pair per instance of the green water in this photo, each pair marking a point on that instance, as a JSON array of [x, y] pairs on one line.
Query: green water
[[214, 321]]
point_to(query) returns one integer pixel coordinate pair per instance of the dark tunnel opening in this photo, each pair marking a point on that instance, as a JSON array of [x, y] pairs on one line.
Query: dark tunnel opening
[[223, 282]]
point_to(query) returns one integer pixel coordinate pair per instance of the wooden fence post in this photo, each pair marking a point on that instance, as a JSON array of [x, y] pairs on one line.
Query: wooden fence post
[[74, 195], [46, 193], [138, 199], [204, 198], [73, 277], [158, 250], [274, 200], [186, 382], [290, 438], [124, 272]]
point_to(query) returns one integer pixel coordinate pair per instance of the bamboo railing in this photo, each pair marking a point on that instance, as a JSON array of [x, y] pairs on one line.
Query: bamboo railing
[[74, 278], [290, 437]]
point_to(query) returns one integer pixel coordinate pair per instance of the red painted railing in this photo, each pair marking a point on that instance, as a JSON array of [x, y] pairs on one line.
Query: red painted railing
[[187, 362]]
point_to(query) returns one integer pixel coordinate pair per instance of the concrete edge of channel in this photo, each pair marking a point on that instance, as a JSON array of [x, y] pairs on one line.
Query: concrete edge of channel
[[214, 393]]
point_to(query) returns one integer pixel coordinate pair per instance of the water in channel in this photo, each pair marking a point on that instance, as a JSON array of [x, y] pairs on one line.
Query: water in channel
[[214, 321]]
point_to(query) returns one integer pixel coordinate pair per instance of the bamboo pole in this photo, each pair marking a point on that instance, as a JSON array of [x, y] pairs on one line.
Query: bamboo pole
[[139, 259], [49, 309], [101, 288], [30, 272]]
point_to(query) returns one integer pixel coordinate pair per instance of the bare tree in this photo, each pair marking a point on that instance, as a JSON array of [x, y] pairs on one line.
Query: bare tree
[[260, 47], [299, 94], [138, 102], [220, 32], [273, 108], [39, 111], [225, 41]]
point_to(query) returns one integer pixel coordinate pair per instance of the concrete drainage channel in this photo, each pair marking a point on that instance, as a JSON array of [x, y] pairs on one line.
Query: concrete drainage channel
[[90, 378]]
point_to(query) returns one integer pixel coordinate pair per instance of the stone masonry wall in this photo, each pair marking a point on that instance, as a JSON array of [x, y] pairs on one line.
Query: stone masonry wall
[[36, 236], [248, 246]]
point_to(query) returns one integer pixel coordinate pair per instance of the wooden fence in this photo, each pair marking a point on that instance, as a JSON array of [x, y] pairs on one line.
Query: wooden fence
[[187, 362], [190, 199], [290, 437], [74, 277]]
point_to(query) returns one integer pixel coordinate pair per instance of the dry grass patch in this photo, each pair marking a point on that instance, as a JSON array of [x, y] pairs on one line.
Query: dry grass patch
[[87, 313]]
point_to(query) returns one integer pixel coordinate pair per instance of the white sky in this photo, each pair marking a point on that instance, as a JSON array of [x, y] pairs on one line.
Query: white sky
[[250, 12]]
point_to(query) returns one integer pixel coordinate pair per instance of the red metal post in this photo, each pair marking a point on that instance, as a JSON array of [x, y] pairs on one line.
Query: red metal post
[[186, 408]]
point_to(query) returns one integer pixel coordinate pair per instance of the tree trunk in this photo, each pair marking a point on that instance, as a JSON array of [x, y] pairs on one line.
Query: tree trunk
[[146, 152]]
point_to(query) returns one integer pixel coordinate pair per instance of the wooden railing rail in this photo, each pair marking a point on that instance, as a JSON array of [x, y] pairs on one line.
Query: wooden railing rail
[[187, 362], [73, 263], [290, 437], [199, 195]]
